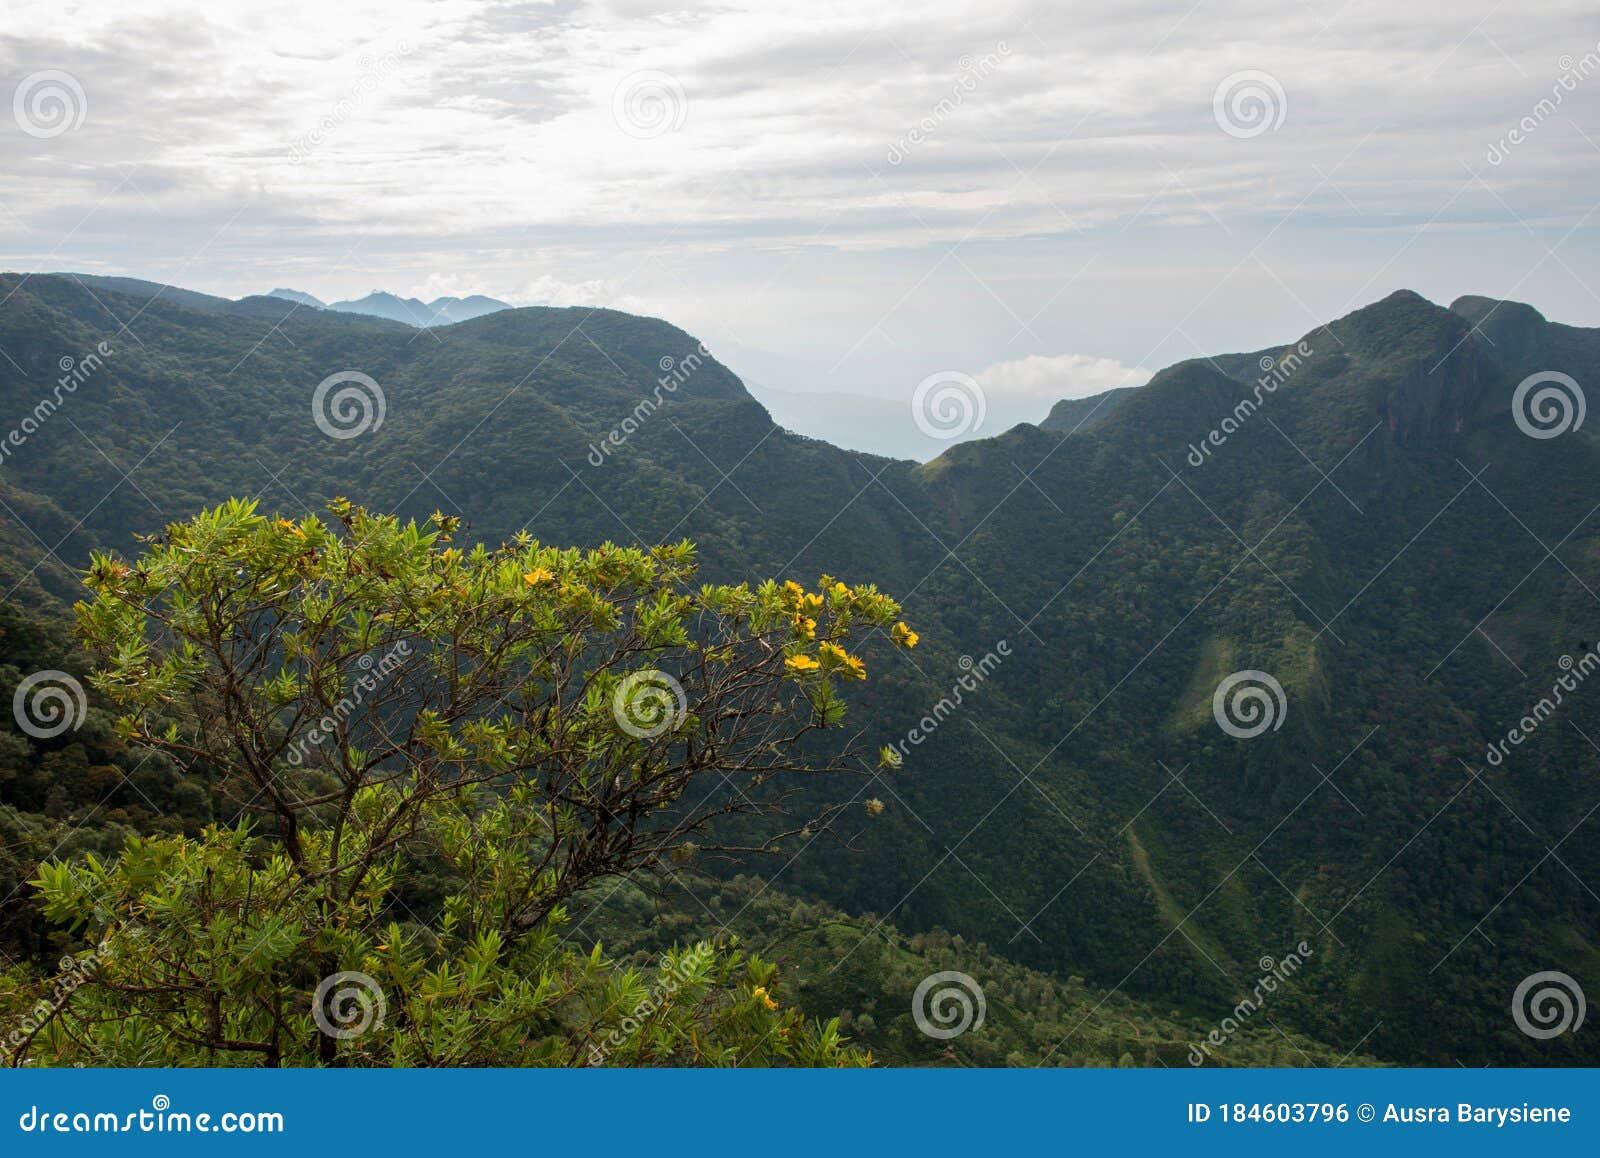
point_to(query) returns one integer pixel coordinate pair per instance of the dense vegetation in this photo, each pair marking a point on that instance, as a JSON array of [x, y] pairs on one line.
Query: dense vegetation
[[371, 707], [1081, 809]]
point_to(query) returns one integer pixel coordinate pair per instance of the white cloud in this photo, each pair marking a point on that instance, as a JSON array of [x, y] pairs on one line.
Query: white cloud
[[552, 291], [1061, 376], [449, 285]]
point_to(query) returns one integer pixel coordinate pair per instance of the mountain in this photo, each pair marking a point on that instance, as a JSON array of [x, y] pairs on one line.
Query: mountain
[[139, 290], [1074, 414], [1358, 514], [443, 311], [296, 296]]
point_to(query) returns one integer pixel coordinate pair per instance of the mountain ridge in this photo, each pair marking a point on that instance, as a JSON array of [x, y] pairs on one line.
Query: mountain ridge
[[1332, 537]]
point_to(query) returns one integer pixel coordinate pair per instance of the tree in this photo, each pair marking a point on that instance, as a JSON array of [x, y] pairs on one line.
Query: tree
[[385, 717]]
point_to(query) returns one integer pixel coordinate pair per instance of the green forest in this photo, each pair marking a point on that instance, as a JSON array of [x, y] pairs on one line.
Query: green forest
[[716, 751]]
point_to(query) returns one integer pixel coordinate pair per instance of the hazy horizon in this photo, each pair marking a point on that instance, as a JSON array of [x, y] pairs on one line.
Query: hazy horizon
[[841, 205]]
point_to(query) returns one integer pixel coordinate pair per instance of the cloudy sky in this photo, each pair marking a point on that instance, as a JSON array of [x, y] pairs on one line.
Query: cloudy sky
[[840, 198]]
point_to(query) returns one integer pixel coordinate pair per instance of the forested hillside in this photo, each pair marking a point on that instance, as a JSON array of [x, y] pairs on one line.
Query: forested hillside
[[1376, 530]]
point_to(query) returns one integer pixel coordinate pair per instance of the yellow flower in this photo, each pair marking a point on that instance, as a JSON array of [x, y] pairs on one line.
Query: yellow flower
[[810, 604], [538, 575], [857, 669], [766, 999], [834, 653], [804, 628], [903, 635], [840, 589], [801, 663]]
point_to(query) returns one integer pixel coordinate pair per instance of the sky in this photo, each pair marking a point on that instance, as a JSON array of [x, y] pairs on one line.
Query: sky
[[843, 200]]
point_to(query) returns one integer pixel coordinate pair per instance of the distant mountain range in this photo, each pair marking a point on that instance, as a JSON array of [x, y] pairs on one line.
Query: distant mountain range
[[443, 311]]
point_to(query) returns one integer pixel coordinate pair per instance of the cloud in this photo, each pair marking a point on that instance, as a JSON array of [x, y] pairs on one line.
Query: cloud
[[449, 285], [1108, 120], [1061, 376], [552, 291]]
